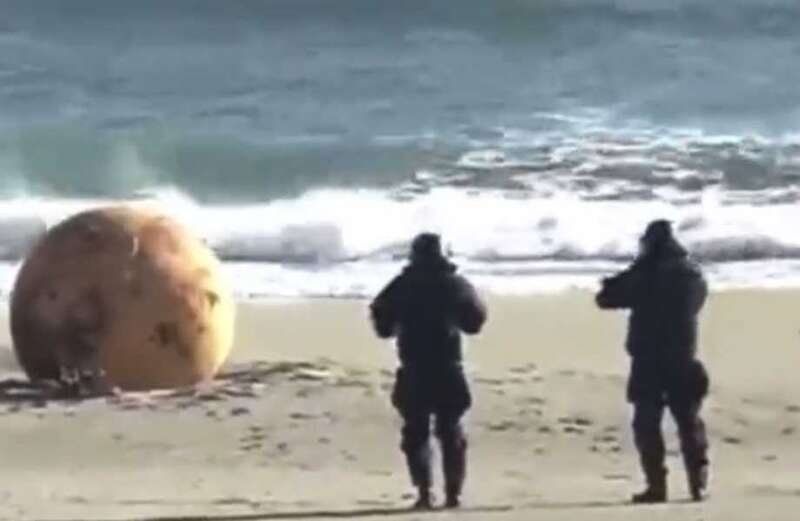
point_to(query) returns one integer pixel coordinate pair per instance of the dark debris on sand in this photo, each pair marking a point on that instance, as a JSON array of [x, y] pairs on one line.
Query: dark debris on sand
[[240, 382]]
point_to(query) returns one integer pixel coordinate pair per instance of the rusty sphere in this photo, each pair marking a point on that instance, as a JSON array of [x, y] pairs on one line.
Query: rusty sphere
[[127, 293]]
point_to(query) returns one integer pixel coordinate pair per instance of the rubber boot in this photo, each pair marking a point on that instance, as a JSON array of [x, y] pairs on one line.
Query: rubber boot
[[656, 491], [454, 462], [419, 468], [698, 481], [424, 499]]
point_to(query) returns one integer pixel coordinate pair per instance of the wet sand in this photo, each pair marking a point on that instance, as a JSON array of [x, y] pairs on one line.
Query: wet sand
[[299, 425]]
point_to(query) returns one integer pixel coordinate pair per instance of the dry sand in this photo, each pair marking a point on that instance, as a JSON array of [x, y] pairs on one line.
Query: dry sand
[[299, 427]]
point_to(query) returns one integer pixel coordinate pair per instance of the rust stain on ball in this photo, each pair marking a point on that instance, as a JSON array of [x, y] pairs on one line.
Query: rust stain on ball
[[127, 291]]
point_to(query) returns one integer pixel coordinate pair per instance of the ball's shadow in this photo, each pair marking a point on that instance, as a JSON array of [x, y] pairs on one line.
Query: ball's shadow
[[16, 391]]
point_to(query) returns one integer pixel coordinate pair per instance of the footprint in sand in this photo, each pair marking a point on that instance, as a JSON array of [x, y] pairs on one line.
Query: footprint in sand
[[239, 411], [732, 440], [575, 425], [606, 438], [254, 438], [788, 431], [349, 456], [524, 412], [524, 369], [580, 421], [501, 426]]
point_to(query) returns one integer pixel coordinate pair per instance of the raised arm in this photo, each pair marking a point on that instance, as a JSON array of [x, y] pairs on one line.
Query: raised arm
[[384, 309], [471, 312], [617, 292], [695, 291]]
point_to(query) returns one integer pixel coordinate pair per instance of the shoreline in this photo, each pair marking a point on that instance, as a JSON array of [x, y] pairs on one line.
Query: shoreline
[[277, 282]]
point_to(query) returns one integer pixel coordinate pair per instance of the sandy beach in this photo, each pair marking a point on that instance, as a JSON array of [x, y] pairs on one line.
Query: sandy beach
[[299, 425]]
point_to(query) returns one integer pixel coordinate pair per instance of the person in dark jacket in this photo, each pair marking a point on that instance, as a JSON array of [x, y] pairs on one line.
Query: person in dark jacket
[[665, 292], [427, 307]]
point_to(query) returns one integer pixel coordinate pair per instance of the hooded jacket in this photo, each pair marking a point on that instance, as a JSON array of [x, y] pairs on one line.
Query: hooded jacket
[[427, 307], [665, 292]]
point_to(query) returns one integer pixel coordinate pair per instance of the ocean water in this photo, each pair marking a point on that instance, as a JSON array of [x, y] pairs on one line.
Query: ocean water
[[308, 140]]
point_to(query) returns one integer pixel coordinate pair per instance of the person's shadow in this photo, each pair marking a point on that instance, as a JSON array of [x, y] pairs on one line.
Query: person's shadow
[[379, 512], [309, 514], [323, 514]]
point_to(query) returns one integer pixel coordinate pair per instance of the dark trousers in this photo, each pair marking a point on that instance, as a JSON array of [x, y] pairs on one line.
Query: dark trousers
[[441, 398], [648, 415], [416, 446]]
